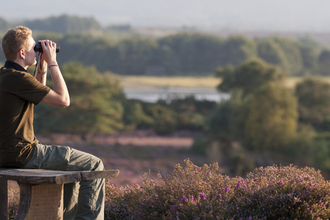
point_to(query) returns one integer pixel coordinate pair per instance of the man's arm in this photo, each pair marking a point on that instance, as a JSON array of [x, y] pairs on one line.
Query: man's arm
[[59, 96], [41, 75]]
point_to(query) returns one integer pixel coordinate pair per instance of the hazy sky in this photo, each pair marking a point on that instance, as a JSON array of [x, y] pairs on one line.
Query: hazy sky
[[303, 15]]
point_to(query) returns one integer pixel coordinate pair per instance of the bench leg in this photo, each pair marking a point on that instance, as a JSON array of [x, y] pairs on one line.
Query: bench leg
[[3, 199], [40, 202]]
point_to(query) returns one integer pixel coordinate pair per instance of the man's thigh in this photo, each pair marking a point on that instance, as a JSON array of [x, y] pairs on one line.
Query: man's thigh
[[62, 158]]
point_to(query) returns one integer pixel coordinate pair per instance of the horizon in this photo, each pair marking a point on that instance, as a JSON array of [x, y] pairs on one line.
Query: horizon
[[257, 15]]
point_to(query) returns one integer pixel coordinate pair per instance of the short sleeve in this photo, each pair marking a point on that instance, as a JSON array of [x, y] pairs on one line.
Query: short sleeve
[[30, 89]]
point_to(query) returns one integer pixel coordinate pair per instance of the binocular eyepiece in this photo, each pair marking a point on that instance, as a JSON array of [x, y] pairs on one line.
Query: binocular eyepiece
[[38, 48]]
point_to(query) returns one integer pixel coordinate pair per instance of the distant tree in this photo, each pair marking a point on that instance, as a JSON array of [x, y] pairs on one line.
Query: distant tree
[[324, 63], [195, 53], [291, 50], [132, 56], [236, 50], [225, 123], [314, 103], [272, 53], [135, 116], [96, 104], [248, 76], [271, 119], [309, 55], [165, 120], [261, 113]]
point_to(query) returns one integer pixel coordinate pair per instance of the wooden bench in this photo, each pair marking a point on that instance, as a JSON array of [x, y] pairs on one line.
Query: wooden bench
[[41, 191]]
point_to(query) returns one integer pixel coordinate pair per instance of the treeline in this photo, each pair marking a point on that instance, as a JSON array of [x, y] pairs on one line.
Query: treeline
[[177, 54]]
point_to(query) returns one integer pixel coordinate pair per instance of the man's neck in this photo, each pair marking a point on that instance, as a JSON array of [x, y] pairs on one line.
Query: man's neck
[[21, 63], [14, 65]]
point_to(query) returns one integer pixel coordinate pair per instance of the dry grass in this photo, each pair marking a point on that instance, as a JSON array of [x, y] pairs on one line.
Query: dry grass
[[177, 81], [292, 81], [189, 81]]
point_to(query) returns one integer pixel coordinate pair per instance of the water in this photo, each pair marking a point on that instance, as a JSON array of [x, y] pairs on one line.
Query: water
[[167, 93]]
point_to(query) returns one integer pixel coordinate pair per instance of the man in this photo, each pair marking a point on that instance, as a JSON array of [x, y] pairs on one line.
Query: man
[[19, 92]]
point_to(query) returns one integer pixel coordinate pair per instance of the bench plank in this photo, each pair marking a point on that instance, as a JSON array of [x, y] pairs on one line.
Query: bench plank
[[40, 176], [88, 175]]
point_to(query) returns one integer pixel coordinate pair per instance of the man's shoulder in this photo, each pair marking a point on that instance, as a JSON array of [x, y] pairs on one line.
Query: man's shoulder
[[12, 73]]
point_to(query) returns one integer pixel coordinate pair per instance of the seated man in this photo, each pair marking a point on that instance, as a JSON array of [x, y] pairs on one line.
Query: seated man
[[19, 148]]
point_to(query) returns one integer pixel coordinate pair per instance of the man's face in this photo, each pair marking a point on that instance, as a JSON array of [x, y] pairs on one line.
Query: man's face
[[30, 54]]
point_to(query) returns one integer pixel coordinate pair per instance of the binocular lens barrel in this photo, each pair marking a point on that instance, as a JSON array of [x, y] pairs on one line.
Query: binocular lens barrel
[[38, 48]]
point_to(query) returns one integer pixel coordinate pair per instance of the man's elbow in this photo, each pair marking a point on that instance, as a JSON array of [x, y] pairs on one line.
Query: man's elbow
[[65, 104]]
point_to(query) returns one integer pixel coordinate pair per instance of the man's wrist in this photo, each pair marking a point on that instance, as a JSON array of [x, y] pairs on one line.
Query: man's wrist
[[52, 65], [42, 72]]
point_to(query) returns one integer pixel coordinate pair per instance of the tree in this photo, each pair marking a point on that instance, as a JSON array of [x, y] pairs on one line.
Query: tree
[[248, 76], [271, 119], [272, 53], [292, 53], [96, 104], [226, 121], [164, 118], [324, 63], [314, 103], [236, 50], [192, 53]]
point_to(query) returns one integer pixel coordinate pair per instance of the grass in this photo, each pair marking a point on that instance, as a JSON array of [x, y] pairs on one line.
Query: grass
[[175, 81], [189, 81]]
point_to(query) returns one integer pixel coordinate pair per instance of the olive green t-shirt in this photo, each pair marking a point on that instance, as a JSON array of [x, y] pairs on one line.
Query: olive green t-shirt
[[19, 92]]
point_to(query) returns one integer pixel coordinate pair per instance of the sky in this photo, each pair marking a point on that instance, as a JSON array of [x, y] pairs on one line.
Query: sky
[[281, 15]]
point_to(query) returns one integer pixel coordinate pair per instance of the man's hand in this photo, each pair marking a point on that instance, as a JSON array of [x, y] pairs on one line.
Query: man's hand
[[49, 51]]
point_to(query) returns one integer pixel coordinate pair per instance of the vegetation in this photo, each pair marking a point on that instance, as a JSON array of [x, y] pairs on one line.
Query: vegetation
[[183, 53], [96, 104], [193, 192], [269, 122]]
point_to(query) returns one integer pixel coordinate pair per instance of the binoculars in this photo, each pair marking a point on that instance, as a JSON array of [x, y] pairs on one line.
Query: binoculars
[[38, 48]]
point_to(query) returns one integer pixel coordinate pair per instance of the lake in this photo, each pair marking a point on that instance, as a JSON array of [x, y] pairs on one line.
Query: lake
[[153, 94]]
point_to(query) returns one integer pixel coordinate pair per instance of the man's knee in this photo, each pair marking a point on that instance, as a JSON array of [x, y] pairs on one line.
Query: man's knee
[[99, 166]]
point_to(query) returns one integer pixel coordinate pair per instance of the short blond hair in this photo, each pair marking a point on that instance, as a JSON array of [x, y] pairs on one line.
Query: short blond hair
[[14, 40]]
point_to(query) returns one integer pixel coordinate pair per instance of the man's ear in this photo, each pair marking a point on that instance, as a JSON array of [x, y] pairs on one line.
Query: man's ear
[[21, 53]]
